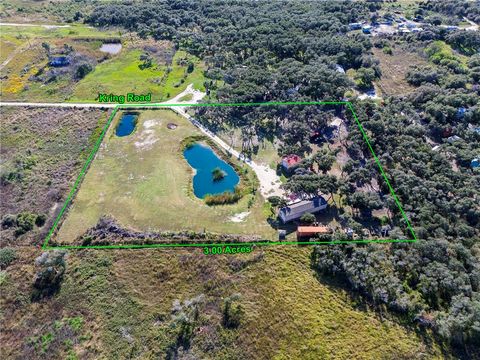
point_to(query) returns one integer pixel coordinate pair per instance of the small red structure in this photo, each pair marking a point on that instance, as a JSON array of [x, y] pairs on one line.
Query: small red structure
[[290, 161], [310, 231]]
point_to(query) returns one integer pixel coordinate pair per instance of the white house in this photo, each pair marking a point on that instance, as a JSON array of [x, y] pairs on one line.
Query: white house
[[296, 210]]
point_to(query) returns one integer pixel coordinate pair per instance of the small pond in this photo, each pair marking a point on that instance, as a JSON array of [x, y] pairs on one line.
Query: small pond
[[204, 161], [126, 125], [111, 48]]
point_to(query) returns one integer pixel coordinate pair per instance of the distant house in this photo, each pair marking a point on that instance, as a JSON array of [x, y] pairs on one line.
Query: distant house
[[311, 231], [290, 162], [475, 163], [296, 210], [385, 230], [451, 27], [59, 61], [355, 26], [367, 29], [453, 138]]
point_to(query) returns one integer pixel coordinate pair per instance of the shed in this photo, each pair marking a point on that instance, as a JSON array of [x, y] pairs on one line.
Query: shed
[[310, 231], [296, 210], [355, 26], [453, 138], [59, 61], [367, 29]]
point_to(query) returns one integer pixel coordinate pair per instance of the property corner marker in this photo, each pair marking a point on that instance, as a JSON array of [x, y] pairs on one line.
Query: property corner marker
[[97, 144]]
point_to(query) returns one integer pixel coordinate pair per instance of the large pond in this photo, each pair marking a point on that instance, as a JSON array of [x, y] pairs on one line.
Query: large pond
[[205, 161], [111, 48], [126, 125]]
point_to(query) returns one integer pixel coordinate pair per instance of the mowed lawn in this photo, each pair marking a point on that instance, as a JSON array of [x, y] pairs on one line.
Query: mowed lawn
[[144, 182]]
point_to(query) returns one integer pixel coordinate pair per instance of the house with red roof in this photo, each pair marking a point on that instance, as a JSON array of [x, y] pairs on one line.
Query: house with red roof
[[290, 162]]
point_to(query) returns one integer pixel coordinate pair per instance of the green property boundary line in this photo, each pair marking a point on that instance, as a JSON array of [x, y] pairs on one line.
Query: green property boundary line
[[271, 243]]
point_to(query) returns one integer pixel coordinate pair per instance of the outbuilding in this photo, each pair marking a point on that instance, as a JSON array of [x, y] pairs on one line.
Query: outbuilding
[[59, 61], [475, 163], [312, 231]]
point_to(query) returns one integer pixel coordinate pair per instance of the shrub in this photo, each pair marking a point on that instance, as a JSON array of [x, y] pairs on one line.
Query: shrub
[[218, 174], [51, 267], [276, 201], [232, 312], [40, 220], [9, 220], [224, 198], [7, 256], [25, 222], [308, 218], [83, 70]]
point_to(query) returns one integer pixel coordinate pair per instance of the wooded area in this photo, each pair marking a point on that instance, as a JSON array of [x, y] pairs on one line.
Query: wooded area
[[290, 51]]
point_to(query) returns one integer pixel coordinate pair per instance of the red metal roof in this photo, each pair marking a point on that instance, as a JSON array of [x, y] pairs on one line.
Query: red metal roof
[[292, 159], [312, 230]]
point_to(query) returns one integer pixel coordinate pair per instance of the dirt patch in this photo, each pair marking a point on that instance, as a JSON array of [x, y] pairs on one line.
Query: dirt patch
[[161, 51], [394, 68], [240, 217], [147, 136]]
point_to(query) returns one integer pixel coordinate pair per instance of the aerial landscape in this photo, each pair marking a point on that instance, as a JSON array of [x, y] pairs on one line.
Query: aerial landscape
[[236, 179]]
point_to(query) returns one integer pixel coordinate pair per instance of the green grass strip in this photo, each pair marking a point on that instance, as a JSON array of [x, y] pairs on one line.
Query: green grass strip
[[271, 243]]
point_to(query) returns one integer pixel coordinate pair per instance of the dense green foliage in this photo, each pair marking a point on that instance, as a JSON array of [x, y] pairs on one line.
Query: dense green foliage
[[7, 256], [290, 51]]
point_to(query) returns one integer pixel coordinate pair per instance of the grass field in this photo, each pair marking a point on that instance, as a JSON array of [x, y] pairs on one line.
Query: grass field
[[123, 74], [394, 69], [42, 152], [119, 74], [122, 302], [144, 182], [41, 32]]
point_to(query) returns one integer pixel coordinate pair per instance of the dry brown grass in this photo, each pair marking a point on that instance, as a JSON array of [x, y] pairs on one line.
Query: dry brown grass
[[394, 68], [289, 313]]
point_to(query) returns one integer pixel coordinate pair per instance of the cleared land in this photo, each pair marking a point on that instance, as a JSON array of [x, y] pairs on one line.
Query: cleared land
[[394, 69], [144, 182]]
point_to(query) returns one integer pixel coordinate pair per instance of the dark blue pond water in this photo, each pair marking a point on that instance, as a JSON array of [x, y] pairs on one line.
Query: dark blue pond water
[[126, 125], [204, 160]]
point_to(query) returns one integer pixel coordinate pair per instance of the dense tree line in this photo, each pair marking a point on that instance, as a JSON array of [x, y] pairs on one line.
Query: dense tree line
[[290, 51], [453, 8]]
